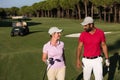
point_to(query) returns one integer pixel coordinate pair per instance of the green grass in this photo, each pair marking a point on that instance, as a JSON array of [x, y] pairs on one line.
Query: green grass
[[20, 57]]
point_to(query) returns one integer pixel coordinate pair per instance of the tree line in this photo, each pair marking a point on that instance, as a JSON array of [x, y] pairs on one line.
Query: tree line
[[107, 10]]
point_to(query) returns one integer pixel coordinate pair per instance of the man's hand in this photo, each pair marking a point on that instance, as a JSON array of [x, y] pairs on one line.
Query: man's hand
[[78, 64], [107, 62]]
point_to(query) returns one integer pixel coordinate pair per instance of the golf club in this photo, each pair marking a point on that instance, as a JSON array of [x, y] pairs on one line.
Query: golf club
[[50, 63]]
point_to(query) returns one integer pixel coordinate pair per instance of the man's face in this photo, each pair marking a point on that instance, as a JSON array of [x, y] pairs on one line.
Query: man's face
[[88, 27]]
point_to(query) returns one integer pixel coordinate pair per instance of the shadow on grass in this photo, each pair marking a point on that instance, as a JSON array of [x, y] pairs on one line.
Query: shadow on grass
[[113, 65], [80, 77], [5, 23], [114, 60], [8, 23], [31, 32], [115, 46], [33, 23]]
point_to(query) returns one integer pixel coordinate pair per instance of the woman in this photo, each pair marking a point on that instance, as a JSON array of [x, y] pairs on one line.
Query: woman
[[53, 55]]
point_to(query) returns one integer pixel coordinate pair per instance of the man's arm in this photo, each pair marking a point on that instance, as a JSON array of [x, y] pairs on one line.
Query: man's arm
[[78, 54], [105, 50]]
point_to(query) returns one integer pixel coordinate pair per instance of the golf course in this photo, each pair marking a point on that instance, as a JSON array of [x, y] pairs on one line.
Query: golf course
[[21, 56]]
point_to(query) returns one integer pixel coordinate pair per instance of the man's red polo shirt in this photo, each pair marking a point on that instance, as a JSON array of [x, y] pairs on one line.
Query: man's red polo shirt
[[92, 42]]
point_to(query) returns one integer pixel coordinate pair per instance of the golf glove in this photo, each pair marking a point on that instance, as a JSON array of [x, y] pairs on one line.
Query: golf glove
[[50, 61], [47, 62], [107, 62]]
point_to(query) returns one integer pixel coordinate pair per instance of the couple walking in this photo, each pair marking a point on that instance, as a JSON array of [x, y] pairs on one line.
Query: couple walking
[[91, 39]]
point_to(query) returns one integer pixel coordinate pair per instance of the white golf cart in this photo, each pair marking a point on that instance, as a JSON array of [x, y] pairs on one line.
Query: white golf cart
[[19, 27]]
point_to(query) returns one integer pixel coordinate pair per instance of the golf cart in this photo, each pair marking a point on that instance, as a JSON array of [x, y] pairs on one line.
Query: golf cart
[[19, 27]]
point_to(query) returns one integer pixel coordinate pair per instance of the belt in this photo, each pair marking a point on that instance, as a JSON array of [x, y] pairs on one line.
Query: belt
[[58, 60], [92, 57]]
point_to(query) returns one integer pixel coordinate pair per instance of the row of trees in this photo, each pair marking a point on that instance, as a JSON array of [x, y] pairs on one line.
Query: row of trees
[[108, 10]]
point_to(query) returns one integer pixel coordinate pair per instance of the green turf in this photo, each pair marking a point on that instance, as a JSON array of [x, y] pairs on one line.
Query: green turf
[[20, 57]]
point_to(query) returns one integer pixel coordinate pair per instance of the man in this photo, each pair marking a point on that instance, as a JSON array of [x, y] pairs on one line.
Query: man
[[93, 41]]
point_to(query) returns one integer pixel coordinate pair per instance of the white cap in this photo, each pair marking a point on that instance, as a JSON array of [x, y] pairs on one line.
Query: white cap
[[53, 30], [87, 20]]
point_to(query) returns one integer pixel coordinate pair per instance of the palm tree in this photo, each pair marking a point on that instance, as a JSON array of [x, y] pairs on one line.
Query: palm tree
[[36, 8], [77, 3], [85, 4], [116, 4], [14, 11], [66, 5]]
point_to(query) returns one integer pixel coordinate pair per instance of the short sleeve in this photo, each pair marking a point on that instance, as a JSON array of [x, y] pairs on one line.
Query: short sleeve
[[45, 49], [103, 37], [81, 38]]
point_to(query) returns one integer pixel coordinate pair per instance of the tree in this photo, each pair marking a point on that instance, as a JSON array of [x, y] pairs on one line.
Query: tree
[[102, 4], [96, 3], [14, 11], [7, 11], [26, 11], [65, 5], [49, 5], [116, 4], [76, 4], [35, 7], [2, 13], [55, 5], [78, 8], [85, 4]]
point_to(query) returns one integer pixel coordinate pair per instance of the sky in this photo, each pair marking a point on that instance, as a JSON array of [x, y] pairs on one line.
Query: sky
[[17, 3]]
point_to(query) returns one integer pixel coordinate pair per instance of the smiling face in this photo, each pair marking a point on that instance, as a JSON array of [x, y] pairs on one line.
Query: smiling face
[[56, 35]]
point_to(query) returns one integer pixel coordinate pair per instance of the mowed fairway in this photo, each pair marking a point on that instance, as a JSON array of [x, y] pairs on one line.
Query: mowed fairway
[[20, 57]]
